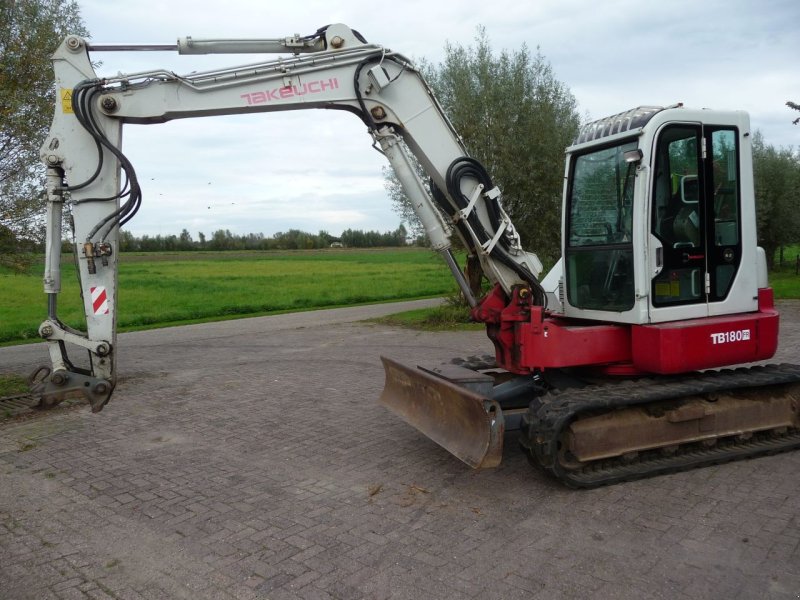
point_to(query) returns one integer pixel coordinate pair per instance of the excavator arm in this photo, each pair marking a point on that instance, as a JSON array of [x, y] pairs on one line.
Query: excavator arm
[[334, 68]]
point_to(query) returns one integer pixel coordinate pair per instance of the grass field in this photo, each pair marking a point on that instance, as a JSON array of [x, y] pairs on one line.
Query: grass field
[[179, 288], [189, 287]]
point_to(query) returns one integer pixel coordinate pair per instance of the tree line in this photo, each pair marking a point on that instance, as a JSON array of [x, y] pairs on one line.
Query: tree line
[[294, 239]]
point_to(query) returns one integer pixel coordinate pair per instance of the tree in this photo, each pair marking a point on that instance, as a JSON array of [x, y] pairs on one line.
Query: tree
[[776, 175], [223, 239], [185, 240], [325, 238], [30, 31], [400, 236], [516, 118], [127, 242], [794, 106]]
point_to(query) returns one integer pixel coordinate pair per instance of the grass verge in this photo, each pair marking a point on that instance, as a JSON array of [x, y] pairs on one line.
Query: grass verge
[[11, 385], [450, 316], [785, 279]]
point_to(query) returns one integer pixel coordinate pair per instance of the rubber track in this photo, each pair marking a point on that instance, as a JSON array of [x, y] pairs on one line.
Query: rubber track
[[551, 413]]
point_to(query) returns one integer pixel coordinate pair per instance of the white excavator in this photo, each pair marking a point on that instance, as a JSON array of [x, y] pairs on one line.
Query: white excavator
[[608, 365]]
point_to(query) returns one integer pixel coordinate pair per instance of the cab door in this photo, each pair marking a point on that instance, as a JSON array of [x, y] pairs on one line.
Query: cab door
[[723, 210], [694, 236], [678, 225]]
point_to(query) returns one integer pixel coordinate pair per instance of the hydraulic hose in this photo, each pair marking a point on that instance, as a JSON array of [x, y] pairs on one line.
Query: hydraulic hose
[[84, 96], [469, 167]]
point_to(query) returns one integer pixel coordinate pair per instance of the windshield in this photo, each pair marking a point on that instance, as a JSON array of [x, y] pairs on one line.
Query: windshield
[[601, 197]]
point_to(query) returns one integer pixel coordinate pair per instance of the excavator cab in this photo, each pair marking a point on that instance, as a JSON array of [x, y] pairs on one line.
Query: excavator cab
[[660, 218]]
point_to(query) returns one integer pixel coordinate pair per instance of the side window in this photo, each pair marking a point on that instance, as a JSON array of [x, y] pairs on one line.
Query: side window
[[676, 218], [726, 189], [725, 211]]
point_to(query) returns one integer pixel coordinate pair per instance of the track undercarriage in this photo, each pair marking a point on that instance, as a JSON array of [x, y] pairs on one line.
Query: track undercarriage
[[589, 432]]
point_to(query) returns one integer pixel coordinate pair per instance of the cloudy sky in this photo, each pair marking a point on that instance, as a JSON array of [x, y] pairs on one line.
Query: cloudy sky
[[314, 170]]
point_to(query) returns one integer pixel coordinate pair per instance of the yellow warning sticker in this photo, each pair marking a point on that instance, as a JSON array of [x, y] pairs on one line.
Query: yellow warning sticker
[[66, 100]]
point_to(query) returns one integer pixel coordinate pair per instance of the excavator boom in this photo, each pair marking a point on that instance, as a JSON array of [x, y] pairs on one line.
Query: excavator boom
[[334, 68]]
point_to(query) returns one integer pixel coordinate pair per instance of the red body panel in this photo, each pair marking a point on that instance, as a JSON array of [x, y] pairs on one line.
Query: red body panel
[[705, 343], [527, 339], [559, 343]]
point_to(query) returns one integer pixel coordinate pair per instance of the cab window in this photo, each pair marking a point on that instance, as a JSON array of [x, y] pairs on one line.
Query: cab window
[[599, 249]]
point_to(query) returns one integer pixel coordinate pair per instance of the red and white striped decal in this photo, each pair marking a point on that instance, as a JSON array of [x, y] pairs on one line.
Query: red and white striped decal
[[99, 300]]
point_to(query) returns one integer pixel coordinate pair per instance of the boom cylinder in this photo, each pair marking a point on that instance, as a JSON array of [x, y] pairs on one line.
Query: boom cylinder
[[55, 202], [437, 230]]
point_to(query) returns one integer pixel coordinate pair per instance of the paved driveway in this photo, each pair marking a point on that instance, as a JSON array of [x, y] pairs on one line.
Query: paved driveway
[[250, 459]]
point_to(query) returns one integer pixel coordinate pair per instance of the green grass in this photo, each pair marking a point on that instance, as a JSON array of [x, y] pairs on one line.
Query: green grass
[[158, 290], [452, 315], [12, 384], [784, 279]]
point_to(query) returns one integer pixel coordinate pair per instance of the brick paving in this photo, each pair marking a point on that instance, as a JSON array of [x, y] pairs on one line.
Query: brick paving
[[250, 459]]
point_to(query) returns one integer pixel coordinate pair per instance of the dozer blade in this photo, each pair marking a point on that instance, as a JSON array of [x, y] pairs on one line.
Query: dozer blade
[[466, 424]]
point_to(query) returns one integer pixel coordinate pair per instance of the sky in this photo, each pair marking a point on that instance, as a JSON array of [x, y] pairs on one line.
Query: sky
[[316, 170]]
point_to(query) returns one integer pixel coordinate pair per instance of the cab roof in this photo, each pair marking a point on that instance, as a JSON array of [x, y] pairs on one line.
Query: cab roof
[[632, 119]]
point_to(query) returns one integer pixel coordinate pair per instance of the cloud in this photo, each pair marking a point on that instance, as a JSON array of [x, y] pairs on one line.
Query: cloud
[[315, 169], [259, 173]]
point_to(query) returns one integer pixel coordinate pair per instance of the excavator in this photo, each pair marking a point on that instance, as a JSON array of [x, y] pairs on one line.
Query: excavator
[[610, 366]]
